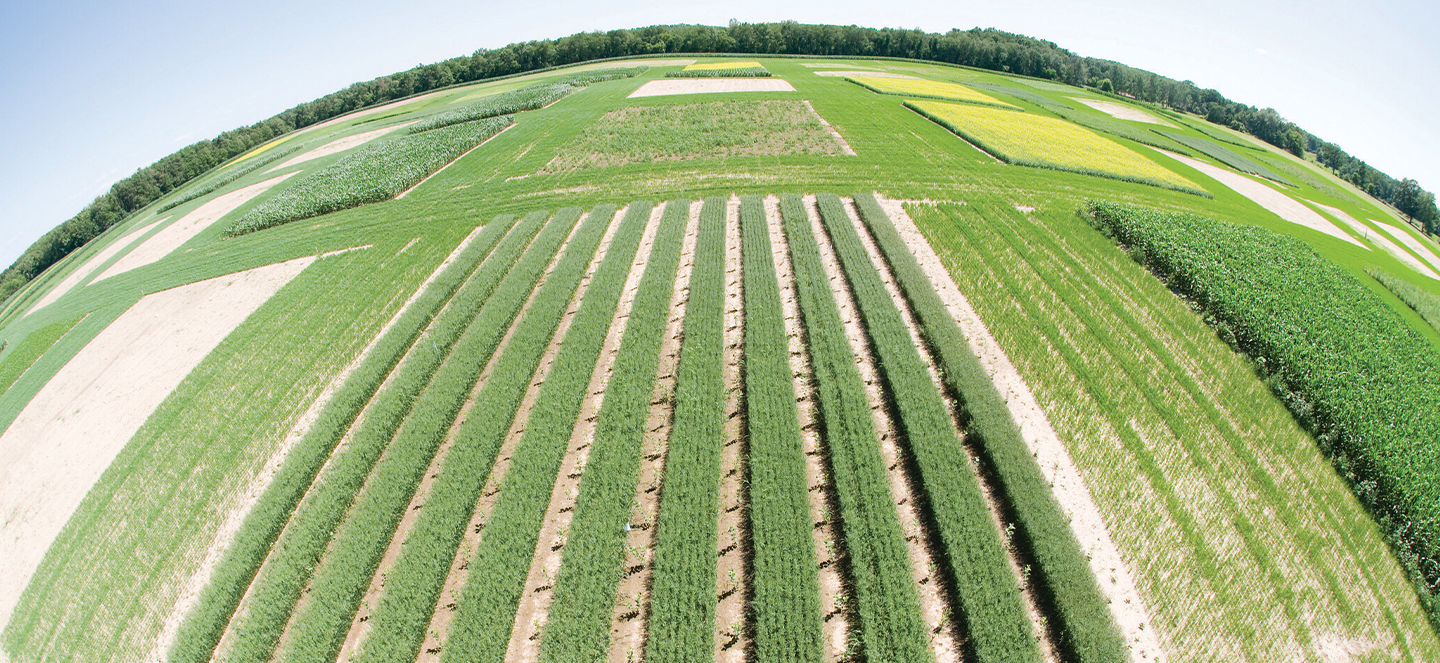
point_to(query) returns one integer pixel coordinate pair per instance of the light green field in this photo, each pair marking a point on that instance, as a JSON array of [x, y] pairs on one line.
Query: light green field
[[436, 466]]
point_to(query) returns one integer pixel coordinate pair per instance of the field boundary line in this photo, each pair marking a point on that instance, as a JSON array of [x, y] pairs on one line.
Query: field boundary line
[[452, 161], [1106, 562]]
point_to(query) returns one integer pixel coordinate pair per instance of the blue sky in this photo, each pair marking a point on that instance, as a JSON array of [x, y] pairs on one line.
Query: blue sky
[[94, 91]]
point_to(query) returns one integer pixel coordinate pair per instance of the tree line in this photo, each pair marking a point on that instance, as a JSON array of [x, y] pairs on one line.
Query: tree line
[[982, 48]]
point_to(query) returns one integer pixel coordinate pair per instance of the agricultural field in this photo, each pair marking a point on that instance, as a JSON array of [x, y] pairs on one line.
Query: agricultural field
[[799, 368]]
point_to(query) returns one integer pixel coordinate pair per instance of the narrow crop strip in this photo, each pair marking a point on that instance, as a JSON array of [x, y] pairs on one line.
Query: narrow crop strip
[[682, 604], [988, 593], [530, 97], [371, 174], [200, 632], [414, 583], [890, 625], [1086, 629], [27, 351], [1422, 301], [357, 547], [485, 611], [786, 610], [1347, 366], [579, 625], [219, 180], [738, 72], [1225, 155]]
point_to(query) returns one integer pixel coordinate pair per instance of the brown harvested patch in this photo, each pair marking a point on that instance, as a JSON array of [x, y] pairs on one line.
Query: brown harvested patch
[[669, 86], [835, 629], [340, 145], [1058, 467], [93, 264], [871, 74], [530, 617], [68, 434], [917, 540], [717, 129], [632, 599], [732, 584]]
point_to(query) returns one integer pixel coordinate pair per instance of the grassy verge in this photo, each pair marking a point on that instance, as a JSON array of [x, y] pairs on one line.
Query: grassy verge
[[30, 349], [1419, 299]]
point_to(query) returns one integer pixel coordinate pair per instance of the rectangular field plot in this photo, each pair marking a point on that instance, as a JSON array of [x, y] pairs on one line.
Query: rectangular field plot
[[712, 66], [663, 88], [915, 87], [647, 134], [1025, 139]]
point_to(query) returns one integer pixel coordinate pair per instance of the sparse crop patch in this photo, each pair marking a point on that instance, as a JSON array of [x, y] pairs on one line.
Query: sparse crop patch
[[646, 134], [1225, 155]]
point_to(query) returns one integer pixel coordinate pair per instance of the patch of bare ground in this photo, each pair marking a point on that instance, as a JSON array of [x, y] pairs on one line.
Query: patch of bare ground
[[835, 630], [670, 86], [632, 597], [944, 639], [340, 145], [93, 264], [732, 583], [534, 608], [189, 596], [987, 486], [1114, 577], [871, 74]]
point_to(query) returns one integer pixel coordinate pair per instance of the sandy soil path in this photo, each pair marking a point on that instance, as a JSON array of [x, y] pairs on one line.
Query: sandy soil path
[[64, 439], [871, 74], [93, 264], [1379, 239], [1121, 111], [340, 145], [1282, 205], [1116, 581], [187, 227], [1408, 239], [669, 86]]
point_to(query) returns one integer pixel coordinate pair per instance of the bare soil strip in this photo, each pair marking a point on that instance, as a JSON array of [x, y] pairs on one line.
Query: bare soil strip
[[871, 74], [1282, 205], [187, 227], [669, 86], [93, 264], [732, 582], [823, 500], [844, 146], [632, 600], [1415, 244], [534, 608], [1380, 240], [63, 440], [1121, 111], [1113, 575], [340, 145], [932, 600], [462, 156]]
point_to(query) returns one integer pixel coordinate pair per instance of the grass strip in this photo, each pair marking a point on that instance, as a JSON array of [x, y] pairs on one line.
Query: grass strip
[[1423, 301], [375, 172], [485, 612], [214, 183], [682, 598], [1347, 366], [414, 583], [975, 558], [888, 610], [200, 632], [578, 628], [1086, 629], [786, 603], [390, 459], [27, 351], [1224, 155]]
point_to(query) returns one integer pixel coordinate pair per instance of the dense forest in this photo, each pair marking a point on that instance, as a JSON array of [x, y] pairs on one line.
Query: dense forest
[[983, 48]]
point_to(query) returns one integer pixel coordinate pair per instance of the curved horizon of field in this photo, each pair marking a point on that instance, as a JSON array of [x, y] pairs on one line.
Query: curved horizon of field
[[788, 372]]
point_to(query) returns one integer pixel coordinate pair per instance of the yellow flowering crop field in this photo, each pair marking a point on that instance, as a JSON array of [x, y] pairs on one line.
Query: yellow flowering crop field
[[710, 66], [915, 87], [1031, 140]]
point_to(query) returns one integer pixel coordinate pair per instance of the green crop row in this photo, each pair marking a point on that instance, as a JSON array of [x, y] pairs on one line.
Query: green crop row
[[578, 628], [786, 603], [1086, 629], [485, 611], [214, 183], [1417, 298], [975, 557], [743, 72], [30, 349], [600, 75], [202, 629], [887, 607], [682, 599], [302, 547], [1225, 155], [414, 582], [372, 173], [506, 103], [1345, 363]]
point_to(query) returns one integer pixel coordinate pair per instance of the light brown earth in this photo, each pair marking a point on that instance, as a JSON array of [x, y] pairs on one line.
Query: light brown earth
[[1116, 581], [1379, 239], [670, 86], [732, 582], [340, 145], [63, 440], [187, 227], [93, 264], [871, 74], [1121, 111], [1416, 244], [1282, 205]]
